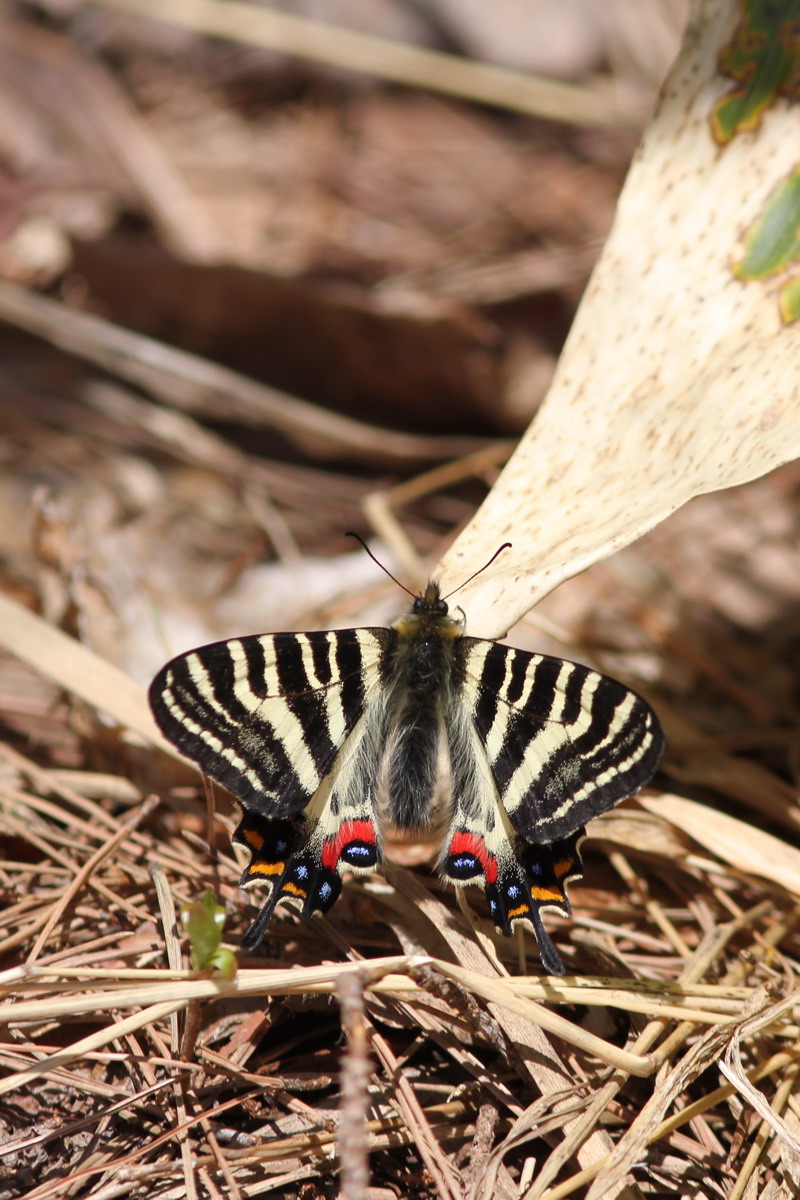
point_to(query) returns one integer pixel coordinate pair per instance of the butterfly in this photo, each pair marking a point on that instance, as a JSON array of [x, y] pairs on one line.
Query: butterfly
[[330, 739]]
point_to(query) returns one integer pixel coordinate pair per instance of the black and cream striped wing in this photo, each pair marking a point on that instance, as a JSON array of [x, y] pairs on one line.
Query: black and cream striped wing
[[266, 715], [563, 743]]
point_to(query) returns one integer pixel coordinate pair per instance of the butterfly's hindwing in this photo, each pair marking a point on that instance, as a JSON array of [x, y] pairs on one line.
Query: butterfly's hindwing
[[265, 716], [563, 743], [301, 867], [279, 865], [521, 881]]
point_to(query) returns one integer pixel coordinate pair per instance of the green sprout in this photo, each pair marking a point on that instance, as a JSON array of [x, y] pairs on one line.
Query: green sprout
[[203, 921]]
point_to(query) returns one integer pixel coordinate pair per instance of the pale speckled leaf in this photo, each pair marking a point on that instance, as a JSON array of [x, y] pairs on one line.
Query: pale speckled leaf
[[677, 378]]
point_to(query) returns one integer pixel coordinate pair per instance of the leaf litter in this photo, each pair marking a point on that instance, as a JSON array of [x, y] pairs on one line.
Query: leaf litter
[[399, 1047]]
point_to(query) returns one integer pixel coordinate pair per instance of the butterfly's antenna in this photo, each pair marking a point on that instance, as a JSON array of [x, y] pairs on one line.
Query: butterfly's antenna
[[385, 570], [499, 550]]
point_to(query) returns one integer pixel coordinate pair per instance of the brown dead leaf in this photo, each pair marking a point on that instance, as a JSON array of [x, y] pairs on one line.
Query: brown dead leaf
[[736, 842]]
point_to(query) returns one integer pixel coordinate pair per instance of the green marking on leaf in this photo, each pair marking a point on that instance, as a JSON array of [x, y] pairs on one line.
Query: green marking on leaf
[[764, 59], [203, 921], [790, 301], [773, 242]]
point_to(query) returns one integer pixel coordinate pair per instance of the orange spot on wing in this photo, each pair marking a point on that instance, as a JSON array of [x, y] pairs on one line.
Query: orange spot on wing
[[518, 912], [294, 890], [547, 894], [267, 868]]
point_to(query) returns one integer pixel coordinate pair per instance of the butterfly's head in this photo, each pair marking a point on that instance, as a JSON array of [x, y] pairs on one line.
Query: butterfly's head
[[430, 602], [429, 618], [430, 609]]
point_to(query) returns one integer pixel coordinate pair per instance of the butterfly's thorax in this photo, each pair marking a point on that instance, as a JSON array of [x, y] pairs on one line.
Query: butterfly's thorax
[[421, 672]]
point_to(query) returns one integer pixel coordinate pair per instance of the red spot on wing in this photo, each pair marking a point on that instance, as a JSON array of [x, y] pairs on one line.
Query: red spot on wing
[[472, 843], [351, 831]]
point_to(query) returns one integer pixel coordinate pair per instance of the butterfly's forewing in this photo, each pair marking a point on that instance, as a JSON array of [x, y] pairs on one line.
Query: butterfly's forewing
[[563, 743], [265, 716]]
